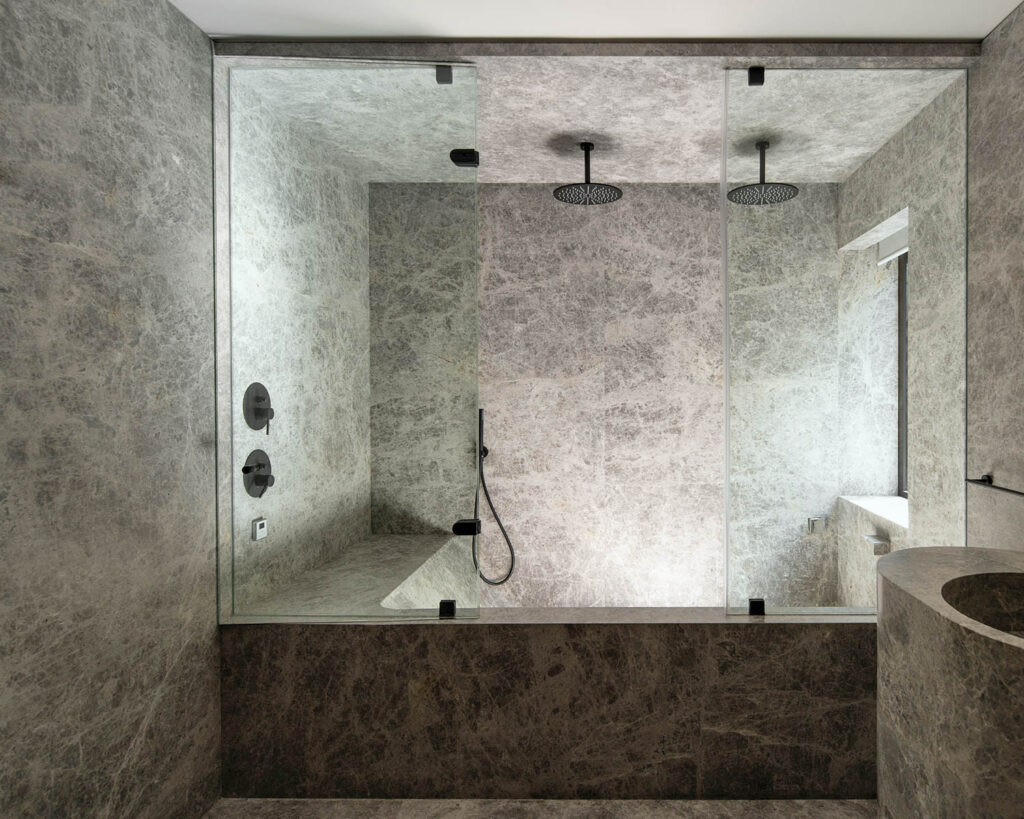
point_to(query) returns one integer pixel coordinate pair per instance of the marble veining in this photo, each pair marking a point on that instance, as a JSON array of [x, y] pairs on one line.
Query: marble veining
[[853, 518], [557, 711], [822, 125], [300, 325], [423, 351], [784, 433], [951, 690], [108, 595], [601, 378], [995, 299], [923, 166]]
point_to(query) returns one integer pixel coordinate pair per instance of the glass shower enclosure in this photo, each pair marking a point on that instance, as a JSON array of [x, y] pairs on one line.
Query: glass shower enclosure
[[846, 341], [346, 338]]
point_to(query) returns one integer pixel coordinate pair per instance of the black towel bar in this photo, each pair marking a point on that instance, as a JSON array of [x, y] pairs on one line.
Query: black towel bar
[[986, 480]]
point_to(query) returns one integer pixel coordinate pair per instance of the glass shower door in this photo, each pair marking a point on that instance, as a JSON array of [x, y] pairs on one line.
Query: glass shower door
[[347, 334]]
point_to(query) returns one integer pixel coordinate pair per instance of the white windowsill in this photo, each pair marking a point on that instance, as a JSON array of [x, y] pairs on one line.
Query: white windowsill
[[892, 508]]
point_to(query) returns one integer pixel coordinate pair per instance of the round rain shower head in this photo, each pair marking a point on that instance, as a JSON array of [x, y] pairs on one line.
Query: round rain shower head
[[763, 193], [587, 193]]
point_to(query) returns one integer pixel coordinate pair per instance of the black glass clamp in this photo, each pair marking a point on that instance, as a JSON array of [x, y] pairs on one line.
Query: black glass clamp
[[466, 526]]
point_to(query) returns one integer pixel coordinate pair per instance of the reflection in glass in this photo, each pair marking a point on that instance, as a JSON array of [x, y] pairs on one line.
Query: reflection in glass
[[813, 301], [353, 300]]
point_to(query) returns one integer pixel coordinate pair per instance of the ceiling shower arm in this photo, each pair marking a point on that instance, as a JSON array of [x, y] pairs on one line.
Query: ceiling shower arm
[[763, 148], [587, 148]]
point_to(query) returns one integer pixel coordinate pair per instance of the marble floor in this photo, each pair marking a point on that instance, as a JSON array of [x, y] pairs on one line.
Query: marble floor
[[541, 809], [352, 585]]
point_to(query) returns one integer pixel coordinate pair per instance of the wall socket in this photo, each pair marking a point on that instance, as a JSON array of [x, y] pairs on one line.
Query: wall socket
[[259, 528]]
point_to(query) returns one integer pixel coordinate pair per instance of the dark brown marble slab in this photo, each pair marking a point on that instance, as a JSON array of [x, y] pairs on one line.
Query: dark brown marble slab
[[556, 711]]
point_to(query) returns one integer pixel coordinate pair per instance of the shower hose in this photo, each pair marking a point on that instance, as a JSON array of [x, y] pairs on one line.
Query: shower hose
[[482, 482]]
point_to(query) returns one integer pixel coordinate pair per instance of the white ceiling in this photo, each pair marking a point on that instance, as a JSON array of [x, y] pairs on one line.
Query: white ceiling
[[614, 19]]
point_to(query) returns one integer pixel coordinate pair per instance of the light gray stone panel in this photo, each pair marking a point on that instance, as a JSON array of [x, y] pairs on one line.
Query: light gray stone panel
[[784, 433], [856, 557], [868, 374], [822, 125], [923, 166], [995, 370], [650, 120], [601, 379], [423, 352], [109, 641], [300, 326]]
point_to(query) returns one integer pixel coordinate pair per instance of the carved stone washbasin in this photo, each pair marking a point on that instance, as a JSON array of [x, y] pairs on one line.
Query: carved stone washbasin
[[951, 683], [995, 599]]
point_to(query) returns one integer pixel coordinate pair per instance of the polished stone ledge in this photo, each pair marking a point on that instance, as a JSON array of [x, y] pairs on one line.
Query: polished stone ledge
[[922, 573], [543, 809], [574, 616]]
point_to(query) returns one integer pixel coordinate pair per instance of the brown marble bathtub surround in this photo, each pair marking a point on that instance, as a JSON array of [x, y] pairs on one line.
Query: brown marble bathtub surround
[[601, 376], [655, 710], [995, 389], [950, 692], [108, 641]]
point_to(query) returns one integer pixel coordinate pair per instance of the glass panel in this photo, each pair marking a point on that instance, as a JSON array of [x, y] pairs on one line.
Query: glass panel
[[353, 302], [813, 339]]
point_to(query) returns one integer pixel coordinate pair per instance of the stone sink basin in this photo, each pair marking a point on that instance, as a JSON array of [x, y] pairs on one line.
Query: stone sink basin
[[951, 683], [995, 599]]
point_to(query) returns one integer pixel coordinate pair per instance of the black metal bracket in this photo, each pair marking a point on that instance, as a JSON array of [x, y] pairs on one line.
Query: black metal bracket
[[443, 74], [755, 607], [465, 157], [466, 526], [986, 480], [755, 75], [446, 609]]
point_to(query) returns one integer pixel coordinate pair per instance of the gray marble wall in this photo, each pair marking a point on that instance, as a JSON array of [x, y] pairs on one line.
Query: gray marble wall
[[601, 373], [300, 326], [550, 710], [995, 368], [868, 374], [108, 636], [856, 556], [923, 167], [784, 432], [423, 354]]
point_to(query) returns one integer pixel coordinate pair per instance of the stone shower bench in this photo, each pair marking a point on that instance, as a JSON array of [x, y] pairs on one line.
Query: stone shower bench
[[380, 576]]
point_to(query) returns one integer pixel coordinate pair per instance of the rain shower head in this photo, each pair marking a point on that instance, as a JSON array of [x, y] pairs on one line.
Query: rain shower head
[[587, 193], [763, 193]]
